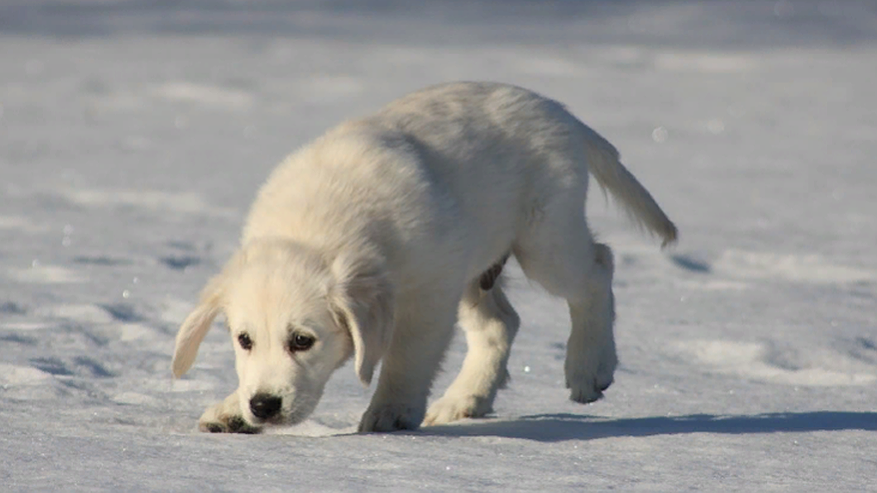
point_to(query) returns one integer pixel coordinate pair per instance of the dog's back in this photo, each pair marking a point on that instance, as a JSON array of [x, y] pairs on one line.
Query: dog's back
[[453, 173]]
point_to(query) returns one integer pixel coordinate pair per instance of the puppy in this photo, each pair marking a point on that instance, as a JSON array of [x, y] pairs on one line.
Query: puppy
[[372, 241]]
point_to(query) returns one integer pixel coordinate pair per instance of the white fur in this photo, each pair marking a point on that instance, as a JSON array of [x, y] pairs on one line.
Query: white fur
[[372, 240]]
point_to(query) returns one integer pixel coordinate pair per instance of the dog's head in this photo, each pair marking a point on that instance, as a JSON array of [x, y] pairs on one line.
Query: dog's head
[[294, 318]]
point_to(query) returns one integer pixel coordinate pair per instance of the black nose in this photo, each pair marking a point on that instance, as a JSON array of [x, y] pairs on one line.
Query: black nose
[[265, 406]]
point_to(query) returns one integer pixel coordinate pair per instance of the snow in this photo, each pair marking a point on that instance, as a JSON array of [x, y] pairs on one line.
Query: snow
[[133, 135]]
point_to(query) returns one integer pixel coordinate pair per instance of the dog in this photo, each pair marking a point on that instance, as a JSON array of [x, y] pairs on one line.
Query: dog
[[373, 240]]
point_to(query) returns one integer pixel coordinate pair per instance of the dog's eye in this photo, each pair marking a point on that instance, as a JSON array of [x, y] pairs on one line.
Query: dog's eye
[[245, 341], [300, 342]]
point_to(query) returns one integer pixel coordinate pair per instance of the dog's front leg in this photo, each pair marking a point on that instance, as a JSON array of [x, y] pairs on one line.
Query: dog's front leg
[[225, 417], [409, 367]]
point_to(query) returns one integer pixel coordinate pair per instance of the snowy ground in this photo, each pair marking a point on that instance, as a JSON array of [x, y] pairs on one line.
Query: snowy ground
[[134, 134]]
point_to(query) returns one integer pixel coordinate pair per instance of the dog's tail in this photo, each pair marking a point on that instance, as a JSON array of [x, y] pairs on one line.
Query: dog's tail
[[604, 164]]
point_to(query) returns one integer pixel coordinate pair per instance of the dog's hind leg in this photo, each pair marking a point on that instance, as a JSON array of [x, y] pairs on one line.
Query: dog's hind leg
[[559, 253], [591, 356], [490, 324], [225, 417]]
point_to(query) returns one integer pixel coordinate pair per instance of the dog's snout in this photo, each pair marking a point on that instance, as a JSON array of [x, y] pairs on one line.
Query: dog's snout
[[265, 406]]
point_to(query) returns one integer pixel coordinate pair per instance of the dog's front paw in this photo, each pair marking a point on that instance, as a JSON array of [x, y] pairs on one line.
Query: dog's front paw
[[228, 424], [454, 408], [225, 417], [391, 417], [587, 384]]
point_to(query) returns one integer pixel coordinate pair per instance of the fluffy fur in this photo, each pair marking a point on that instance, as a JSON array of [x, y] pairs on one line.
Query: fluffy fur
[[375, 239]]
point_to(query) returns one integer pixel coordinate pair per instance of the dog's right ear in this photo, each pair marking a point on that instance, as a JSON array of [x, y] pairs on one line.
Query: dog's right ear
[[196, 325]]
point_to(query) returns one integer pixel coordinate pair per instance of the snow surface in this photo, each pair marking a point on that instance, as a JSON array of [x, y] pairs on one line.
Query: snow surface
[[133, 135]]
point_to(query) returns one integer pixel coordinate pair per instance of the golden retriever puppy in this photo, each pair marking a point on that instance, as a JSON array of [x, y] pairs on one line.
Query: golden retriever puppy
[[372, 241]]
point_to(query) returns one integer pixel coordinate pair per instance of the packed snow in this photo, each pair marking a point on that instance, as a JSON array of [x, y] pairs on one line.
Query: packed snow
[[134, 134]]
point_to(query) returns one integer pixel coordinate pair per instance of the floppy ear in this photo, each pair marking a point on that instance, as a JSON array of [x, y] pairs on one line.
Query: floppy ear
[[362, 301], [196, 325]]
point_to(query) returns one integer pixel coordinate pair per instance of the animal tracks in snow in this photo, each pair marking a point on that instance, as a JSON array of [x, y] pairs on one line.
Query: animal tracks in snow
[[737, 269], [797, 268], [797, 362], [760, 361]]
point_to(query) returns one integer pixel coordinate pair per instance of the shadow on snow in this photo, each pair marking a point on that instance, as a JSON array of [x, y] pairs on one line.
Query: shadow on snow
[[560, 427]]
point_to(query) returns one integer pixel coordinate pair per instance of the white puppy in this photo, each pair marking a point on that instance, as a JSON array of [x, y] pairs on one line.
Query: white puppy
[[374, 239]]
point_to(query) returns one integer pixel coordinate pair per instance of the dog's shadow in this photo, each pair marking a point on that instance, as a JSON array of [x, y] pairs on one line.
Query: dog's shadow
[[560, 427]]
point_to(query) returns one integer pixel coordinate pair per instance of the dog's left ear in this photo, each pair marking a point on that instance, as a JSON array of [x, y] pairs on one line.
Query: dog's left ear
[[361, 300]]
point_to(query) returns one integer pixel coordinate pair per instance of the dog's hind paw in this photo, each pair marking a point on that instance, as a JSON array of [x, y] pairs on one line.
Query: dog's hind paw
[[587, 388], [588, 375], [452, 408], [585, 395]]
